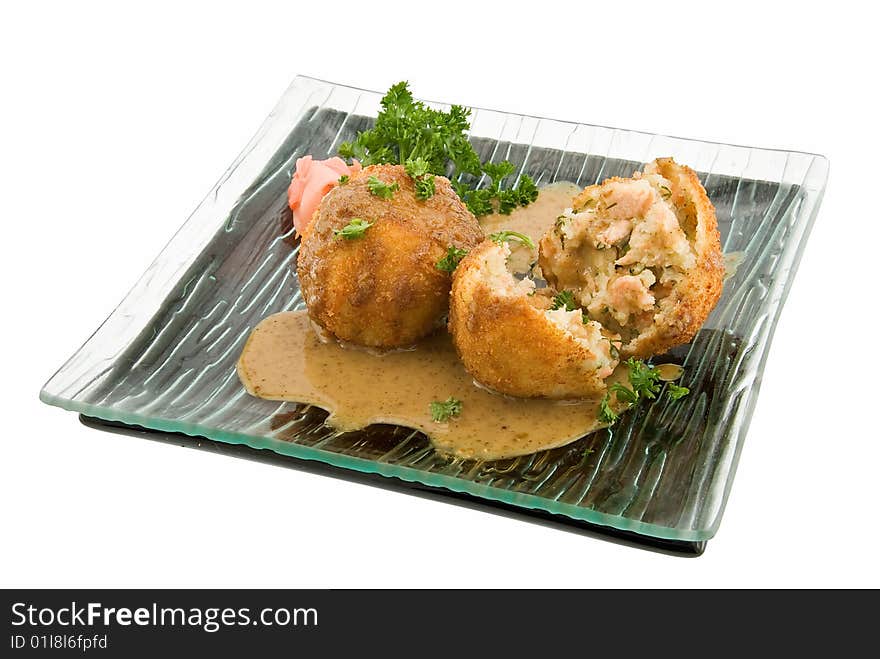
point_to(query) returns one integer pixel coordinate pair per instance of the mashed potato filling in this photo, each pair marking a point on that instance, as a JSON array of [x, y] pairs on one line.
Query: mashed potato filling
[[498, 275], [620, 248], [588, 334]]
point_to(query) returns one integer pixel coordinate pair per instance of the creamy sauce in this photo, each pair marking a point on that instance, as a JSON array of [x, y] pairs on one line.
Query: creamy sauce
[[284, 360], [669, 372], [533, 220]]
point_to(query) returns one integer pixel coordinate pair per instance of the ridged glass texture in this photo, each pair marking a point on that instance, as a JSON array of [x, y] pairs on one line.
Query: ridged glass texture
[[165, 358]]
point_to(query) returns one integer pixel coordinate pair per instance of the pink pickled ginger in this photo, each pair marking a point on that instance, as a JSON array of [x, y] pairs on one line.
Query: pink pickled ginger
[[311, 181]]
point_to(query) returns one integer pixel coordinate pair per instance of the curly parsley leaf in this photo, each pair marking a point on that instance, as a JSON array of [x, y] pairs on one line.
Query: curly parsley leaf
[[645, 382], [432, 142], [645, 379], [416, 168], [498, 172], [422, 178], [479, 202], [508, 199], [526, 190], [453, 257], [354, 229], [606, 414], [623, 394], [675, 392], [381, 189], [443, 410], [564, 300], [407, 129], [425, 187]]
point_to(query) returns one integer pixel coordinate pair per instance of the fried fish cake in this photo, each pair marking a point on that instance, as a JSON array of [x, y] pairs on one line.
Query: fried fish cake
[[510, 339], [382, 289], [641, 255]]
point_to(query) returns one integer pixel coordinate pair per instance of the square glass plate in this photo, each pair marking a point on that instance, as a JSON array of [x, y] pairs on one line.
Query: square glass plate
[[165, 358]]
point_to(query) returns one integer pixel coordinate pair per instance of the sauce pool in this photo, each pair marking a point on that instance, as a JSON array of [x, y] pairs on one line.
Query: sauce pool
[[285, 360]]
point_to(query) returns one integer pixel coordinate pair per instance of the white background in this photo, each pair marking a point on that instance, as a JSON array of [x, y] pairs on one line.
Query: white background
[[116, 121]]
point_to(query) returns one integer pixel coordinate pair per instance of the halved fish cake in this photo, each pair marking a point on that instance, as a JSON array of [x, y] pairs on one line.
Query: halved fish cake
[[642, 256], [511, 341]]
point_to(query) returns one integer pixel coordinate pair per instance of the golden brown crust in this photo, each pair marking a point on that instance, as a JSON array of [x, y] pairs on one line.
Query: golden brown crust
[[509, 345], [383, 289], [691, 301]]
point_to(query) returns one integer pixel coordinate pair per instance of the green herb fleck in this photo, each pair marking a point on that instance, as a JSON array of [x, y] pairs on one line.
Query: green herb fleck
[[565, 300], [442, 411], [606, 414], [354, 229], [417, 167], [425, 185], [506, 236], [479, 202], [624, 395], [560, 223], [667, 193], [381, 189], [675, 392], [343, 179], [453, 257], [645, 382]]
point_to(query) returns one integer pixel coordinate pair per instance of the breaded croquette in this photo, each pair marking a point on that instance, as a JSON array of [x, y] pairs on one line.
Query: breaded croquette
[[379, 286]]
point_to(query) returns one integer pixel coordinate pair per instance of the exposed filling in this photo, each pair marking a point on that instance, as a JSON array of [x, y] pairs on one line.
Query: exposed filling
[[601, 345], [622, 248]]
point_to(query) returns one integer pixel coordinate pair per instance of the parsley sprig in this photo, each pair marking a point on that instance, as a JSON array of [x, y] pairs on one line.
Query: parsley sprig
[[407, 129], [432, 142], [645, 383], [645, 379], [483, 201]]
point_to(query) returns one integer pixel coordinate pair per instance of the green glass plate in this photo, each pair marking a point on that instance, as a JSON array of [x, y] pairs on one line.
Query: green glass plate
[[165, 358]]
